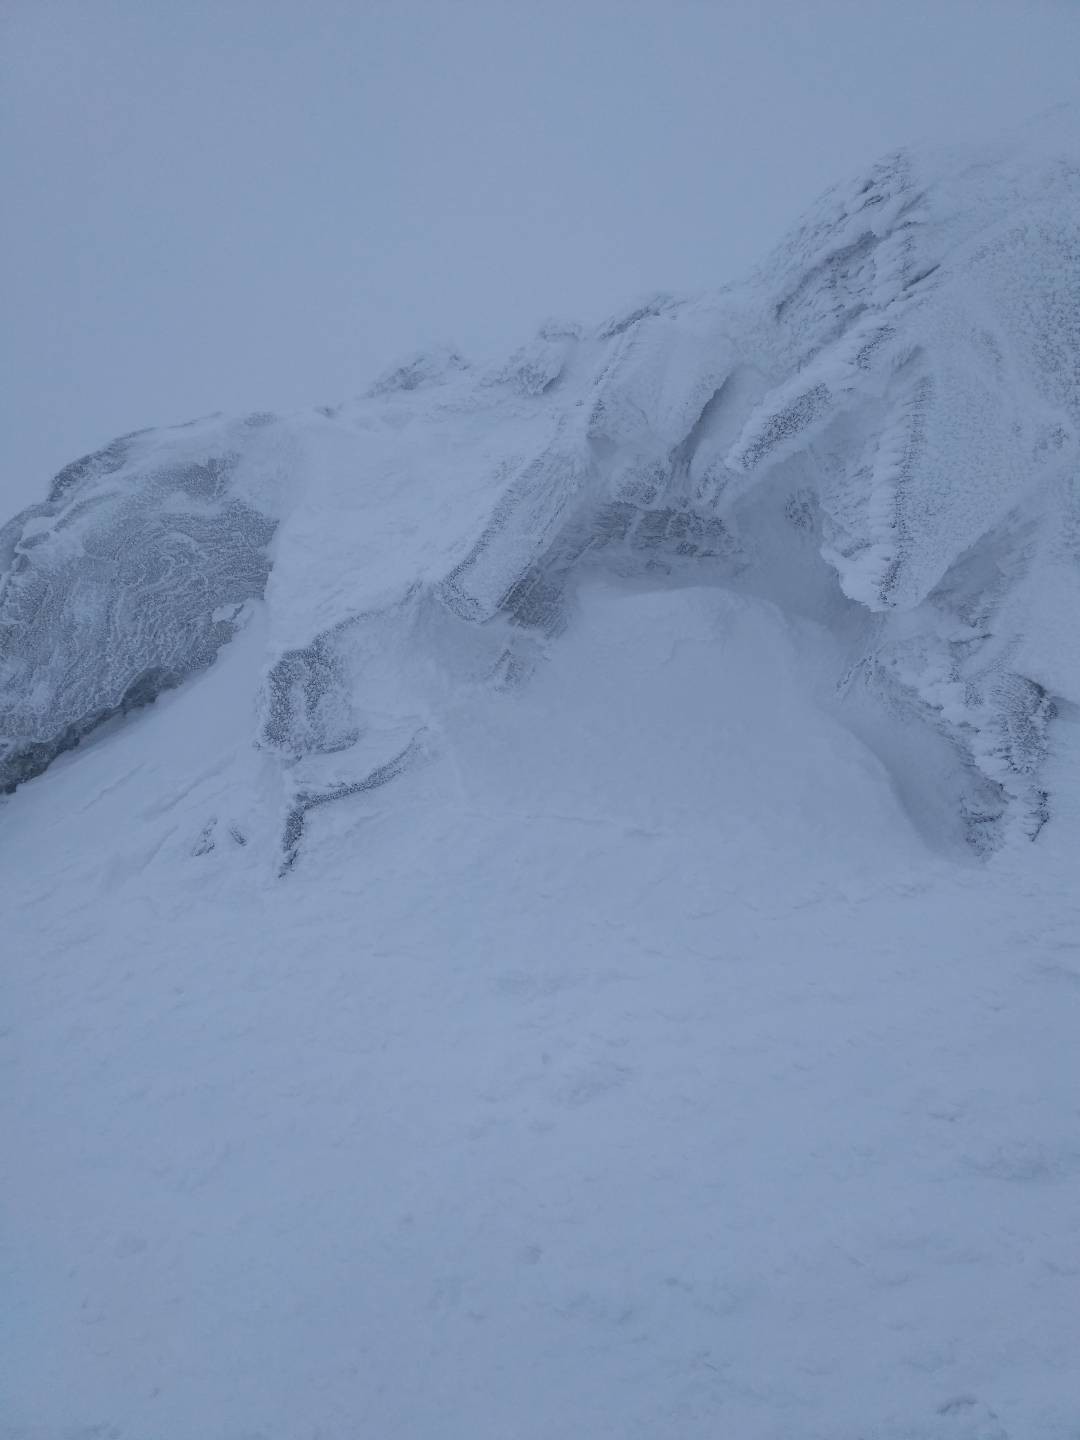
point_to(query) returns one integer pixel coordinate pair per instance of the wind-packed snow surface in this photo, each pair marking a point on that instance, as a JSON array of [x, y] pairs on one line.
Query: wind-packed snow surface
[[596, 952]]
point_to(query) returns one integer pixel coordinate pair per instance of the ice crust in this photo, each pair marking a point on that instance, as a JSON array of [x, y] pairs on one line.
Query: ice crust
[[878, 429]]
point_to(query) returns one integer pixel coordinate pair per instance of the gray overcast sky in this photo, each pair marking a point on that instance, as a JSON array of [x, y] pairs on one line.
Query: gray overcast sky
[[237, 204]]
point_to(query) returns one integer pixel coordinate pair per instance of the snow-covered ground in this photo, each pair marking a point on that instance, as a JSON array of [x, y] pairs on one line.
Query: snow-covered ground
[[634, 1071], [629, 988]]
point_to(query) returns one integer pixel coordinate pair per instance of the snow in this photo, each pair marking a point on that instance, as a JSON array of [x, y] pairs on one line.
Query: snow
[[634, 1069], [597, 950]]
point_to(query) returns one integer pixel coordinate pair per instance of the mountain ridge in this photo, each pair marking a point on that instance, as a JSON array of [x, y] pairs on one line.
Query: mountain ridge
[[900, 381]]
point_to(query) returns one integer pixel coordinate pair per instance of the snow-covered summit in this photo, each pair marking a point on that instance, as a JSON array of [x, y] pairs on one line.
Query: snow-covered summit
[[877, 430]]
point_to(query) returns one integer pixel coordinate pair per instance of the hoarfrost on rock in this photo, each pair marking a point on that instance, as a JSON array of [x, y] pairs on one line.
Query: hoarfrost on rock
[[128, 579]]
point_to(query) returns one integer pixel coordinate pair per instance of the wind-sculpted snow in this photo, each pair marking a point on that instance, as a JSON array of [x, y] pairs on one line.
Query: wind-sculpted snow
[[939, 414], [878, 431], [950, 391]]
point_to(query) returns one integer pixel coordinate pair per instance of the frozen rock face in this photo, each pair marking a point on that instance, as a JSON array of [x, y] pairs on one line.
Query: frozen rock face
[[931, 314], [877, 430], [126, 580]]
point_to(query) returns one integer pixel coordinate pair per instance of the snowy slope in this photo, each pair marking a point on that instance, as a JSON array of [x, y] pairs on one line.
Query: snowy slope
[[597, 950]]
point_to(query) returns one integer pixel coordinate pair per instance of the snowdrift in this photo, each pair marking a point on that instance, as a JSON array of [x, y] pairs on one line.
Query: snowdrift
[[877, 430]]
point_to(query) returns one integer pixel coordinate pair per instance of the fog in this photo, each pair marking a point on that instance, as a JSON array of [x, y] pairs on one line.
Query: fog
[[258, 204]]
